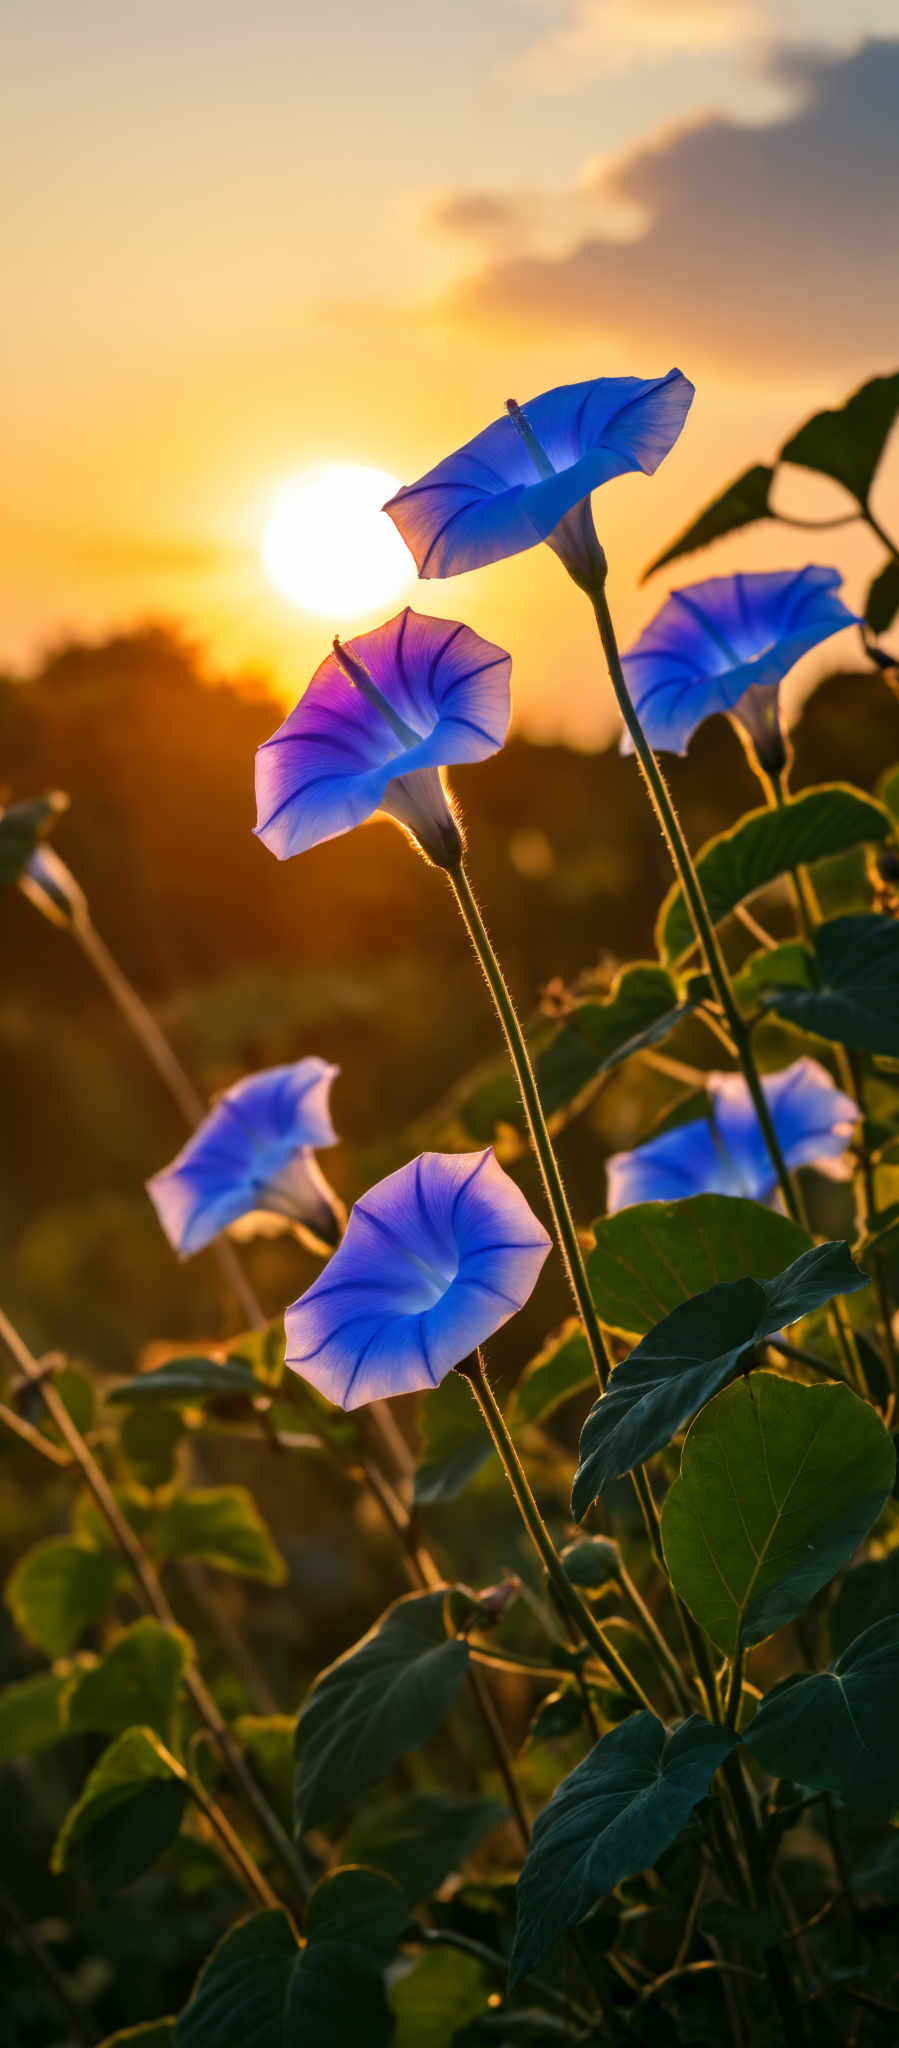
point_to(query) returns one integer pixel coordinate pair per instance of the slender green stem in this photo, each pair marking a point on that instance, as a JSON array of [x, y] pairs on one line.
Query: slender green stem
[[673, 1672], [880, 532], [568, 1596], [734, 1692], [779, 1977], [702, 923], [521, 1060]]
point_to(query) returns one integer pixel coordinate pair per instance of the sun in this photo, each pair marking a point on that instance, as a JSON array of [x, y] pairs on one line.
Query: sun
[[329, 547]]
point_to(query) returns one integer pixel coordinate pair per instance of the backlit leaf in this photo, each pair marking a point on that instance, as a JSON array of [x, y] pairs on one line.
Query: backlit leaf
[[651, 1257], [564, 1367], [223, 1525], [848, 442], [779, 1483], [834, 1731], [128, 1813], [31, 1714], [59, 1589], [856, 1000], [642, 1006], [743, 502], [438, 1996], [138, 1680]]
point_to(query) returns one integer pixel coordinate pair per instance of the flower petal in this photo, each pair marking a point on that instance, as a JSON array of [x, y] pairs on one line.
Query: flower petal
[[252, 1150], [685, 1161], [713, 641], [328, 767], [435, 1258], [485, 502]]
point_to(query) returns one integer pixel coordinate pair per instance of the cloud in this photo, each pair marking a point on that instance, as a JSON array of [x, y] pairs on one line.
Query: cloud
[[764, 247], [604, 35]]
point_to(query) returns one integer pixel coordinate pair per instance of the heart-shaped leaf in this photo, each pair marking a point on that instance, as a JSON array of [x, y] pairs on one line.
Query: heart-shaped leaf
[[882, 602], [128, 1813], [138, 1680], [766, 844], [434, 2001], [60, 1588], [653, 1256], [643, 1005], [418, 1840], [835, 1731], [192, 1378], [31, 1714], [689, 1355], [778, 1485], [743, 502], [856, 1001], [385, 1696], [223, 1525], [848, 442], [612, 1816], [869, 1593]]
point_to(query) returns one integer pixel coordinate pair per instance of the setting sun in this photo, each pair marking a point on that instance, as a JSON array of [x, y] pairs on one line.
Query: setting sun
[[329, 547]]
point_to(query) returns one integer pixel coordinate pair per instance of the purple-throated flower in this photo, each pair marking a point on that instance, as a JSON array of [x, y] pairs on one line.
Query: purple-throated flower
[[435, 1258], [529, 475], [381, 717], [255, 1151], [725, 645], [726, 1154]]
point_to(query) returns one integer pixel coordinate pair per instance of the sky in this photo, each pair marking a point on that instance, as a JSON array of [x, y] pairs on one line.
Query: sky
[[241, 242]]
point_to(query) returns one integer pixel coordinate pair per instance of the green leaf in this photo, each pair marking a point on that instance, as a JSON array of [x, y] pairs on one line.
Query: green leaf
[[138, 1680], [743, 502], [420, 1839], [869, 1593], [193, 1378], [835, 1731], [31, 1714], [268, 1740], [643, 1005], [58, 1589], [847, 443], [766, 844], [149, 1439], [564, 1367], [22, 825], [77, 1396], [788, 966], [384, 1697], [128, 1813], [592, 1561], [882, 602], [610, 1818], [725, 1921], [689, 1355], [650, 1258], [455, 1443], [779, 1483], [558, 1715], [438, 1996], [259, 1990], [150, 2034], [888, 791], [856, 1001], [223, 1525]]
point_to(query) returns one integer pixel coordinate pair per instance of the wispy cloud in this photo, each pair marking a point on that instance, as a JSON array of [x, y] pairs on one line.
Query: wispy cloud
[[598, 36]]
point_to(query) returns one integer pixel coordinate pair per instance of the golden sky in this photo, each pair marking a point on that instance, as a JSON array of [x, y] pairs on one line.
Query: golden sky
[[241, 241]]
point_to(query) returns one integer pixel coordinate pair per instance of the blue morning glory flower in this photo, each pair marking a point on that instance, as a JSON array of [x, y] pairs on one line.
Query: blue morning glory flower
[[727, 1154], [434, 1259], [725, 645], [382, 715], [254, 1151], [500, 494]]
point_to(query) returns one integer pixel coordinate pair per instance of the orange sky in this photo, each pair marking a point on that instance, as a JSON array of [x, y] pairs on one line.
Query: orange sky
[[241, 244]]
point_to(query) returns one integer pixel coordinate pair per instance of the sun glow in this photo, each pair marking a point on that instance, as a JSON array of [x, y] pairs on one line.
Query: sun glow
[[329, 547]]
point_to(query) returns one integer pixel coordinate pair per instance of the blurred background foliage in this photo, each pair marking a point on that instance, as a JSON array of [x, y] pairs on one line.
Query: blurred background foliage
[[354, 953]]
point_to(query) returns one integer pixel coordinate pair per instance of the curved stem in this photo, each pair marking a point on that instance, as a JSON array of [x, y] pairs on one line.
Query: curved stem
[[521, 1060], [880, 532], [473, 1370]]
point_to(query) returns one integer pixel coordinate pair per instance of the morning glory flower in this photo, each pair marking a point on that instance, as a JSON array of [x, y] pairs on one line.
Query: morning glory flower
[[380, 718], [727, 1154], [725, 645], [435, 1258], [512, 485], [254, 1151]]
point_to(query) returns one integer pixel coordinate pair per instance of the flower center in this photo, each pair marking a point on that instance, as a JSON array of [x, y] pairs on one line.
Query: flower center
[[535, 448], [366, 685]]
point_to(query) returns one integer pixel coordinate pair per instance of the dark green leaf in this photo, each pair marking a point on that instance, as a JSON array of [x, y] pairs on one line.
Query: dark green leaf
[[593, 1561], [882, 602], [689, 1355], [869, 1593], [420, 1839], [149, 1439], [847, 443], [77, 1396], [558, 1715], [788, 966], [611, 1817], [22, 825], [440, 1994], [753, 1929], [138, 1680], [888, 792], [31, 1714], [455, 1443], [128, 1813], [650, 1258], [223, 1525], [835, 1731], [259, 1990], [779, 1483], [564, 1367], [192, 1378], [384, 1697], [743, 502], [642, 1006], [856, 1001], [766, 844], [58, 1589]]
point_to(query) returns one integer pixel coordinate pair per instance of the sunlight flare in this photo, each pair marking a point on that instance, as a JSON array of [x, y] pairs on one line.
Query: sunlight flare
[[329, 547]]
